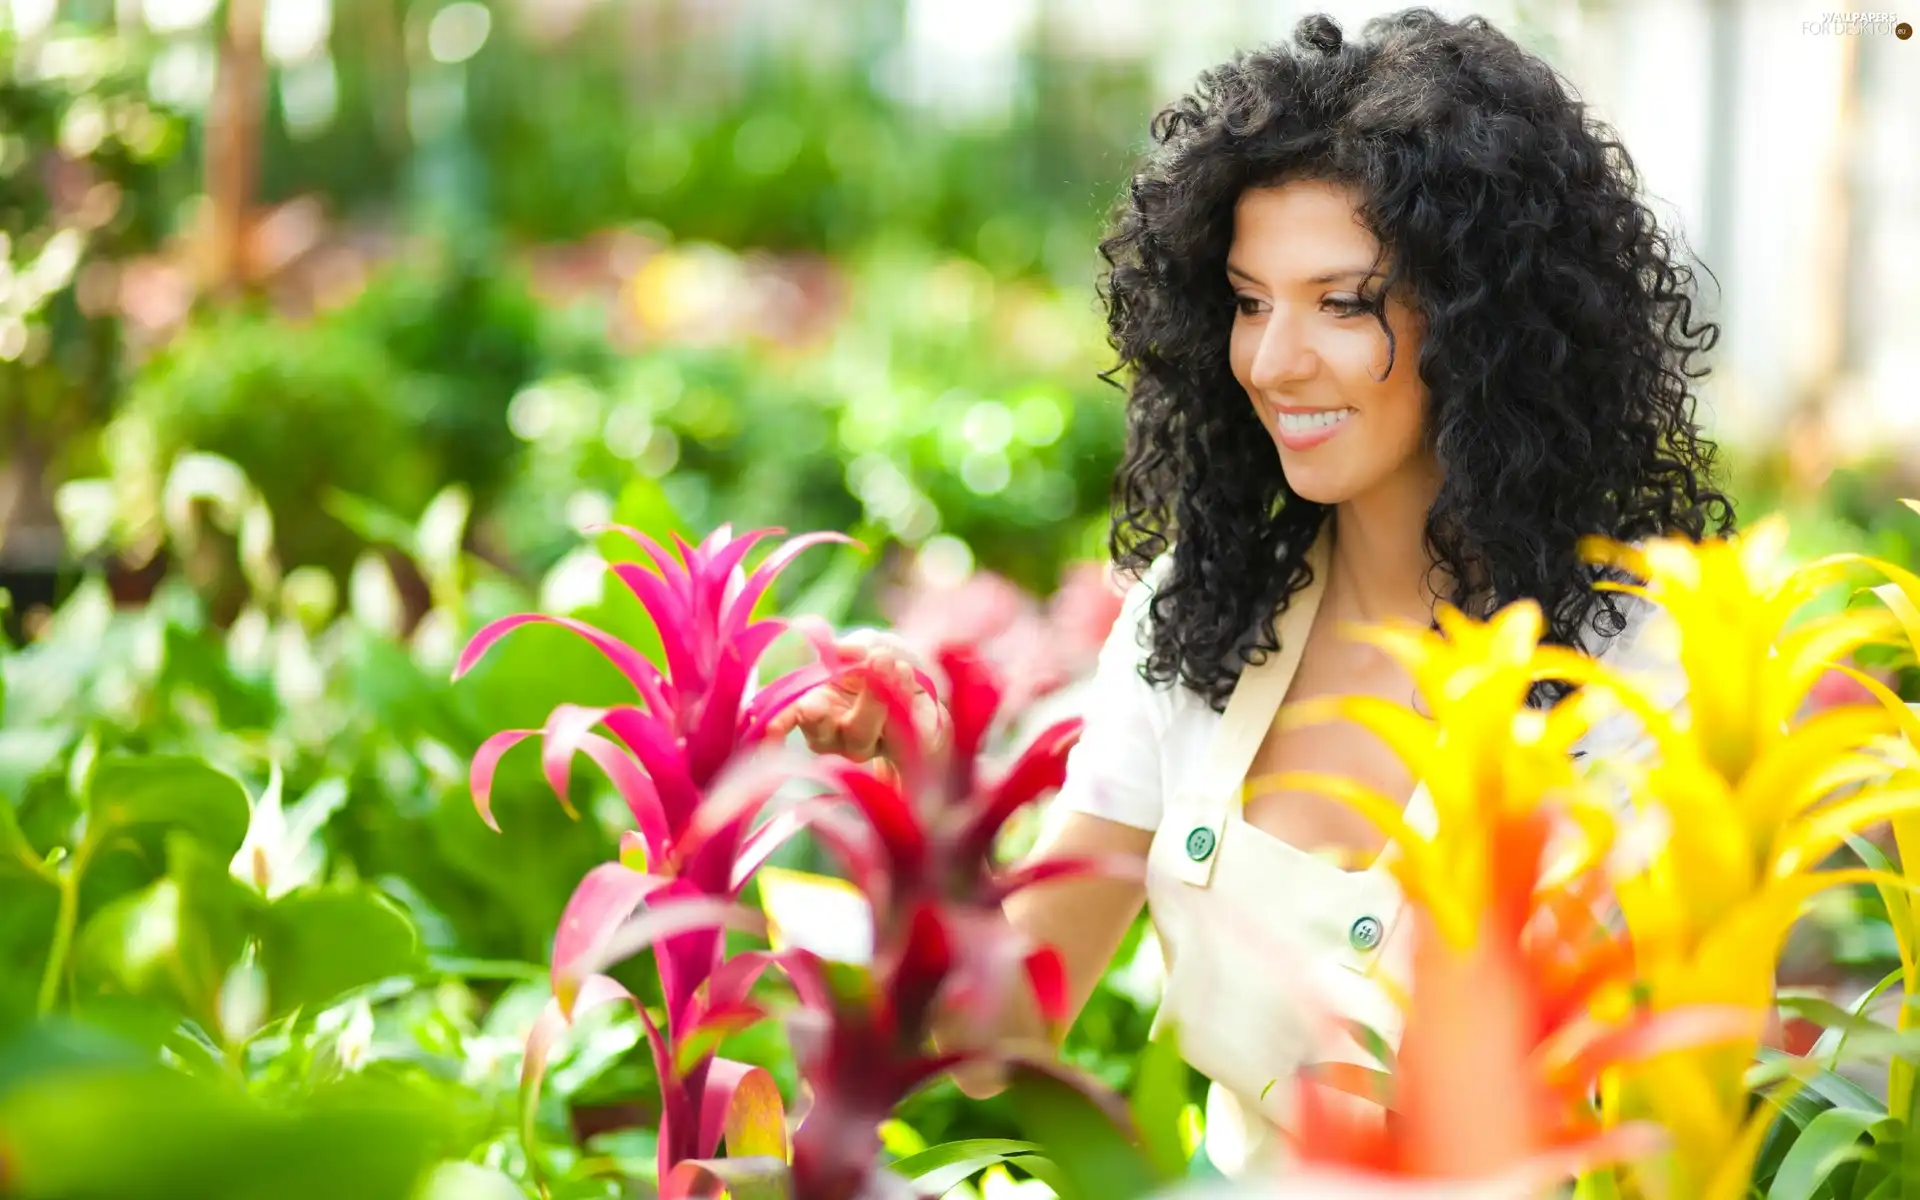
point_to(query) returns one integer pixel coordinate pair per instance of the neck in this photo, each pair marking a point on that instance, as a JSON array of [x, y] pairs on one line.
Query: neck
[[1380, 567]]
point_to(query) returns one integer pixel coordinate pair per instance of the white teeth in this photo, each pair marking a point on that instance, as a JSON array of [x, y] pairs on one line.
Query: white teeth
[[1309, 422]]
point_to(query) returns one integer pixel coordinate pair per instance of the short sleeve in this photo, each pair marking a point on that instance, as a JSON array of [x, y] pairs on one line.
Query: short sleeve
[[1113, 771]]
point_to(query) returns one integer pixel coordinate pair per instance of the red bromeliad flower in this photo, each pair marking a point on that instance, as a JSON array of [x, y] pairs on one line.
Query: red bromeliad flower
[[926, 868], [665, 757], [928, 863]]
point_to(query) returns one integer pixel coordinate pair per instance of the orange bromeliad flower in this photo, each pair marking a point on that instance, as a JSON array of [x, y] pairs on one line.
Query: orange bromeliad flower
[[1520, 994]]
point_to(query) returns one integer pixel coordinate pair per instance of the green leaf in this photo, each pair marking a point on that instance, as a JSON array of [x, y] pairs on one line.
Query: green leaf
[[938, 1169], [174, 792], [1887, 1189], [437, 539], [1597, 1185], [131, 943], [1159, 1095], [58, 1046], [16, 853], [147, 1134], [198, 659], [1859, 1037], [1045, 1170], [176, 940], [469, 1181], [1831, 1017], [1798, 1104], [373, 522], [1834, 1088], [1096, 1157], [315, 945], [1829, 1140], [1831, 1045]]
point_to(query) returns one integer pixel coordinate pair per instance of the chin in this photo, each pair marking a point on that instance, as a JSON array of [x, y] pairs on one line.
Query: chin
[[1316, 486]]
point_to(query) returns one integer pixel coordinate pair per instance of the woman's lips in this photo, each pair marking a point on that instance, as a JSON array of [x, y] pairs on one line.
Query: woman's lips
[[1303, 429]]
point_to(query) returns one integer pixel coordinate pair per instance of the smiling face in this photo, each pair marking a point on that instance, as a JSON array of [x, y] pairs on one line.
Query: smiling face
[[1309, 349]]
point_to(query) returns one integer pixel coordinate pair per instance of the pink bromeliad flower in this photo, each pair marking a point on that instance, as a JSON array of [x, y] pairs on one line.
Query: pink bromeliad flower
[[692, 761], [665, 754], [693, 718]]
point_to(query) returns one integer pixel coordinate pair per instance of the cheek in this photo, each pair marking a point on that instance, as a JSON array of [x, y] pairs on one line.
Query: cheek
[[1395, 407], [1405, 416], [1399, 399], [1241, 345]]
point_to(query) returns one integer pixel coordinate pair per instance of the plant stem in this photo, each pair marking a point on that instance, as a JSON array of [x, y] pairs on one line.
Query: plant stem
[[63, 927], [64, 924]]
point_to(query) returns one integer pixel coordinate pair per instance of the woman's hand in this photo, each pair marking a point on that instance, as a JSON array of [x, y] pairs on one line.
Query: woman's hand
[[848, 719]]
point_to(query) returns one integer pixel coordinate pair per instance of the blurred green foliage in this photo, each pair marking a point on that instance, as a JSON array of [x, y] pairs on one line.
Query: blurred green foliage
[[83, 183], [241, 791], [259, 842]]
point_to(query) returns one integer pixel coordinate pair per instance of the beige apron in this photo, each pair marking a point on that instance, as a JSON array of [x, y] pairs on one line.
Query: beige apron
[[1263, 941]]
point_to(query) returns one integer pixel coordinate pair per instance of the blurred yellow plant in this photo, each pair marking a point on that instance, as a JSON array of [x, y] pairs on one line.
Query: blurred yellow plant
[[1753, 802], [1748, 799], [1520, 992], [1500, 775]]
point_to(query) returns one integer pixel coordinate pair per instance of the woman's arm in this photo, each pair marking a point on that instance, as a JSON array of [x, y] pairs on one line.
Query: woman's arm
[[1108, 807], [1083, 918]]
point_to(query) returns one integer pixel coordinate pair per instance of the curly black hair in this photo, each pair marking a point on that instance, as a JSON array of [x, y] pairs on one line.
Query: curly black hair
[[1559, 347]]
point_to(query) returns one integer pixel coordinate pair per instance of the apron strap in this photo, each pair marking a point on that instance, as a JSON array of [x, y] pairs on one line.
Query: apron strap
[[1201, 808]]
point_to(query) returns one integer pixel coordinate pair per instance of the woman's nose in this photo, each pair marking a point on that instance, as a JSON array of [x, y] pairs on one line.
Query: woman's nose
[[1283, 356]]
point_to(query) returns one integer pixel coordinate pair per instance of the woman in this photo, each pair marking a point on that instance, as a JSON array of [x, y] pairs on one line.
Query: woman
[[1398, 330]]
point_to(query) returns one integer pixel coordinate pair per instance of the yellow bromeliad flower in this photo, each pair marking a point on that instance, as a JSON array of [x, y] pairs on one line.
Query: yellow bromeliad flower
[[1753, 803], [1498, 773], [1506, 875]]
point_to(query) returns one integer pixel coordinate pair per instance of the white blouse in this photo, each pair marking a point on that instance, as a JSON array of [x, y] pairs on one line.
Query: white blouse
[[1239, 915]]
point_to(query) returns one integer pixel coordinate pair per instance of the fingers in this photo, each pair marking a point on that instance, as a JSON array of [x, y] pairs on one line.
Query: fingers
[[819, 714], [848, 717], [863, 725], [816, 707], [924, 714], [860, 728]]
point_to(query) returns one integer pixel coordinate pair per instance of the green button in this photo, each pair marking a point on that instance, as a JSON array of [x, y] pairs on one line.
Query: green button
[[1366, 933], [1199, 843]]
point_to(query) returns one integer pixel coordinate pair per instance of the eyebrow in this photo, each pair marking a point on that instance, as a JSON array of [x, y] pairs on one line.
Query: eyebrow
[[1323, 277]]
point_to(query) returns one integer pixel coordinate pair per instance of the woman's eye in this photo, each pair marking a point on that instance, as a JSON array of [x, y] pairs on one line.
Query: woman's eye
[[1349, 306], [1246, 306]]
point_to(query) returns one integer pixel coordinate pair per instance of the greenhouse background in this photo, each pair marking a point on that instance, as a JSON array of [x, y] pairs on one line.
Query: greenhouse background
[[329, 329]]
